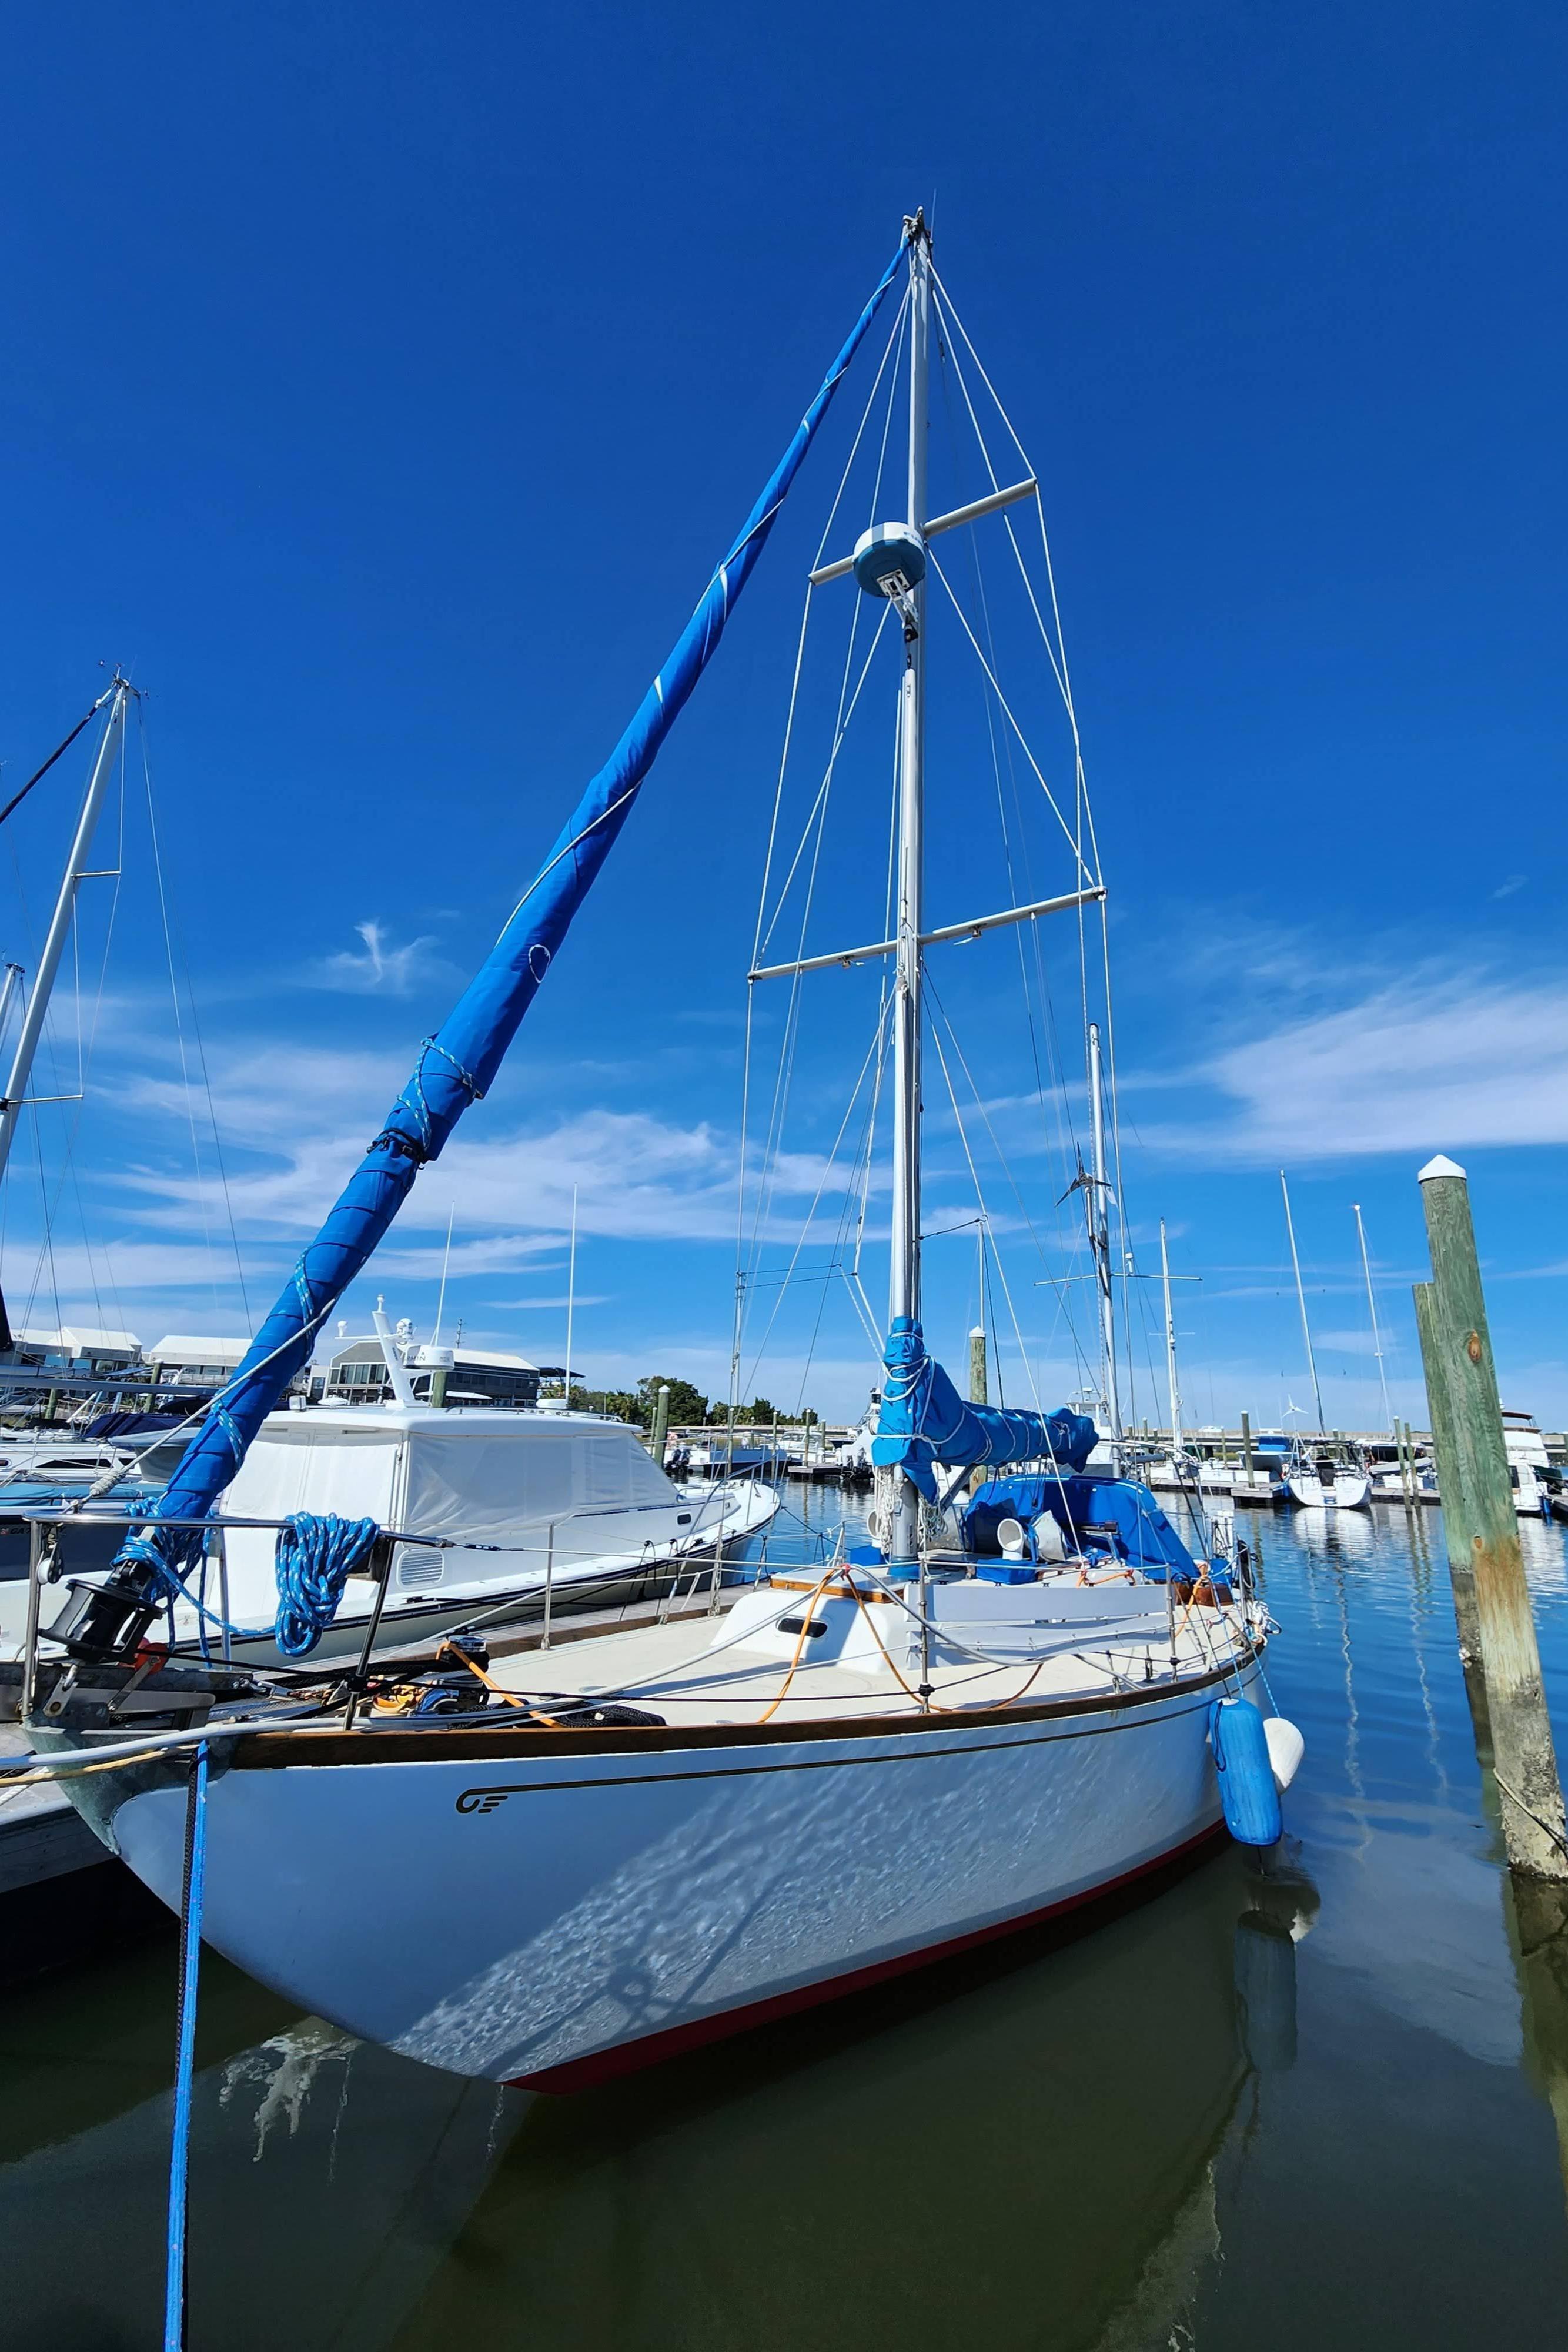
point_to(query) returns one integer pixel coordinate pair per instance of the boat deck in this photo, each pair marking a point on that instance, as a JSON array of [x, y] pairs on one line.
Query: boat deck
[[696, 1671]]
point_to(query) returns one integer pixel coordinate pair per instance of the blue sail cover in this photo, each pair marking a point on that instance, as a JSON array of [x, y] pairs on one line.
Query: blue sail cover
[[457, 1064], [923, 1421]]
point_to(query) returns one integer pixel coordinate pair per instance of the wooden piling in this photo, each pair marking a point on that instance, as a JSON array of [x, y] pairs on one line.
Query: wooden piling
[[1246, 1446], [978, 1370], [661, 1430], [1482, 1528], [1456, 1525]]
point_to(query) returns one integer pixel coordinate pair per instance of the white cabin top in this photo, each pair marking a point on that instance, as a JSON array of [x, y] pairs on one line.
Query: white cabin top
[[481, 1477]]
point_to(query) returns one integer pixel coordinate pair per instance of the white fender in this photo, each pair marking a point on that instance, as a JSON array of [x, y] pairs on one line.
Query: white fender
[[1286, 1748]]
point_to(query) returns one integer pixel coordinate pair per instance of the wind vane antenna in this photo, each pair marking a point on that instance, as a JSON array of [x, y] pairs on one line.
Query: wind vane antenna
[[445, 1262]]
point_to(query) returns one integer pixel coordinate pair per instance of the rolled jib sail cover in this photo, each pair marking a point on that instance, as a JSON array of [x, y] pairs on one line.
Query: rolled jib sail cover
[[1246, 1786], [889, 558]]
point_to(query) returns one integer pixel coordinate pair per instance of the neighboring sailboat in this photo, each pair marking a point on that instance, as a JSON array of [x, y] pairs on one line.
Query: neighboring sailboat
[[670, 1832], [1322, 1473]]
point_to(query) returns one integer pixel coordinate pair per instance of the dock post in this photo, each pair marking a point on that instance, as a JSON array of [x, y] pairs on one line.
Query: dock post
[[977, 1395], [1456, 1525], [1482, 1528], [661, 1429], [1246, 1446]]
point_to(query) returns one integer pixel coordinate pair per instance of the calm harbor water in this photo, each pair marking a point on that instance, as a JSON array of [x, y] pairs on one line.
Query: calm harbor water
[[1306, 2108]]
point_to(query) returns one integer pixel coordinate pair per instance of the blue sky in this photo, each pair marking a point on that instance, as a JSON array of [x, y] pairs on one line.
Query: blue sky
[[382, 389]]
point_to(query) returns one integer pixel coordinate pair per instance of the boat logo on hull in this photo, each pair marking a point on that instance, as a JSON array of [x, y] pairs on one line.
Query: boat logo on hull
[[483, 1800]]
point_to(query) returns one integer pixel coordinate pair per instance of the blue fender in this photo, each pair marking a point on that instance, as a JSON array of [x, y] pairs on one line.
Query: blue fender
[[1246, 1786]]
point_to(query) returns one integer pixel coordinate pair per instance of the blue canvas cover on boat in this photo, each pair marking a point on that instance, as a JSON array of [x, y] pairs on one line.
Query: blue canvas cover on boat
[[457, 1064], [1127, 1521], [923, 1421]]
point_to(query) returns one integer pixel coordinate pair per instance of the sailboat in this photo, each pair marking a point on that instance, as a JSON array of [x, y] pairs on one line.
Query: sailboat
[[664, 1834], [1323, 1473]]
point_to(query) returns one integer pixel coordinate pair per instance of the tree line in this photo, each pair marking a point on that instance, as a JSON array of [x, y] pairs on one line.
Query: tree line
[[688, 1406]]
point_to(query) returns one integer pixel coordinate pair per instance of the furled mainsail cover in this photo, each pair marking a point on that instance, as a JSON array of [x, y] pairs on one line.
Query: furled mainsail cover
[[924, 1420], [457, 1064]]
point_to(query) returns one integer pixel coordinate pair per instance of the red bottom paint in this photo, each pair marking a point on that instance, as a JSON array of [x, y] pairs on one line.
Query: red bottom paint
[[649, 2049]]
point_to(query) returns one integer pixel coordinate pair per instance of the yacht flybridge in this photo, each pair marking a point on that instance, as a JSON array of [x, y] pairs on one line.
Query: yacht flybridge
[[1026, 1692]]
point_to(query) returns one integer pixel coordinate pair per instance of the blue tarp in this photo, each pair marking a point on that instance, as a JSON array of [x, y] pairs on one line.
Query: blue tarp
[[456, 1066], [1129, 1523], [923, 1421]]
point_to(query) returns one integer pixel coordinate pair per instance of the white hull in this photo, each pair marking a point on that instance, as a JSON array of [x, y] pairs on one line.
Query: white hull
[[1351, 1490], [606, 1897]]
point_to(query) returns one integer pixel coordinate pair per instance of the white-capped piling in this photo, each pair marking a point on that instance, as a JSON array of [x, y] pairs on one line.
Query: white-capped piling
[[1484, 1552]]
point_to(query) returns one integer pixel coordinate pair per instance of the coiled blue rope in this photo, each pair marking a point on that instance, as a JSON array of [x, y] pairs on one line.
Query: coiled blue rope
[[314, 1559]]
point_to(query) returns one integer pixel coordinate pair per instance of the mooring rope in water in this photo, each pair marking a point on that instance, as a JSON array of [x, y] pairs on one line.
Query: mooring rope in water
[[175, 2297]]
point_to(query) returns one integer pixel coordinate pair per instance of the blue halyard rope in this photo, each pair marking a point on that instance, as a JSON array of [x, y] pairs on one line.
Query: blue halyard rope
[[186, 2053], [315, 1558]]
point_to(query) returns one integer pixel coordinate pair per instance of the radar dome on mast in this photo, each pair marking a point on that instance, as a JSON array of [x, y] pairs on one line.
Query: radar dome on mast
[[889, 558]]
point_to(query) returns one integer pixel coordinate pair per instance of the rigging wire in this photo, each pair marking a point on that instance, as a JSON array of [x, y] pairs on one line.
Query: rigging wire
[[1057, 654], [59, 750], [77, 1102], [745, 1260], [169, 950]]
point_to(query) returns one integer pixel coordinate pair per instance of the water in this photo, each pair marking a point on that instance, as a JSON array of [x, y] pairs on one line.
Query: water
[[1304, 2110]]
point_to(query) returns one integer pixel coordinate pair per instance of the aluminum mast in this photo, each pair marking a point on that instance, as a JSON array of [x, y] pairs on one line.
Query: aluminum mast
[[11, 1103], [1170, 1349], [1301, 1303], [1099, 1196], [1372, 1311], [904, 1286]]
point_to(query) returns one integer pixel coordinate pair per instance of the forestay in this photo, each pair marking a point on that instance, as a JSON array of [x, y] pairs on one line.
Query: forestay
[[457, 1064]]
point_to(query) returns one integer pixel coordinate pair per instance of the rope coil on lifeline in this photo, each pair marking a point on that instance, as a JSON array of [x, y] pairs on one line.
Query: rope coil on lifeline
[[313, 1561]]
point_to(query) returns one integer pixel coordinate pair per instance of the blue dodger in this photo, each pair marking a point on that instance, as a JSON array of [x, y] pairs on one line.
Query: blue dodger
[[457, 1064]]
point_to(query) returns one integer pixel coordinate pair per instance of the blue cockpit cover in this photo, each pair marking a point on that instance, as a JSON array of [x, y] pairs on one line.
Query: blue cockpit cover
[[1111, 1515], [457, 1064], [923, 1421]]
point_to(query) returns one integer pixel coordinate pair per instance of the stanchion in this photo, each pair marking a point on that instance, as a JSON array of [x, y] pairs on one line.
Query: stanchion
[[175, 2301]]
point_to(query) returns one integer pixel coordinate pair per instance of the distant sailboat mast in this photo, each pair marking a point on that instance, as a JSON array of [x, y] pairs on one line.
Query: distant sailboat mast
[[1301, 1303], [1371, 1312]]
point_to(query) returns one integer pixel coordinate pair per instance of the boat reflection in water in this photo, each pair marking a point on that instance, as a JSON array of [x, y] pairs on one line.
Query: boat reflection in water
[[1061, 2108], [328, 2179], [1001, 2153]]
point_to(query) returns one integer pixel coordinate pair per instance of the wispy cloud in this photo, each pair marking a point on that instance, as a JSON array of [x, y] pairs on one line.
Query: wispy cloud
[[378, 966], [1432, 1060], [306, 1114]]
